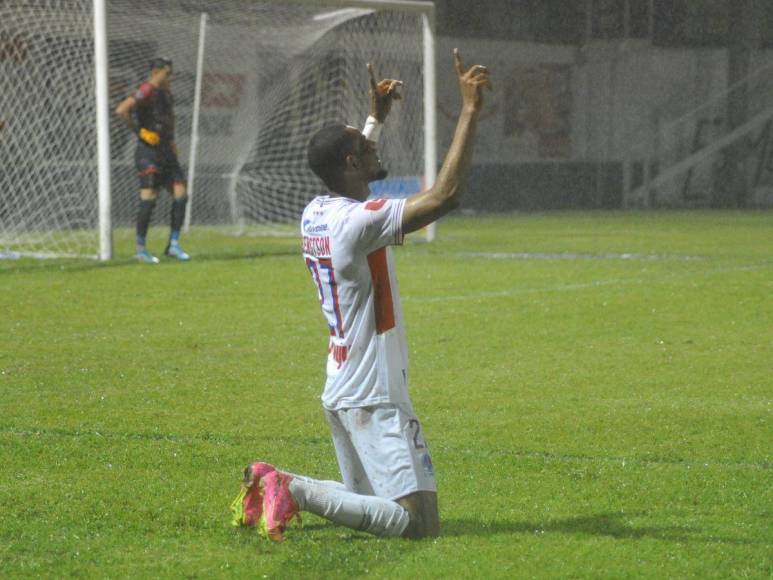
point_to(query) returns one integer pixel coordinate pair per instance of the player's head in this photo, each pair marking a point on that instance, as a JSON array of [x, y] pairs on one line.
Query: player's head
[[161, 69], [160, 62], [339, 153]]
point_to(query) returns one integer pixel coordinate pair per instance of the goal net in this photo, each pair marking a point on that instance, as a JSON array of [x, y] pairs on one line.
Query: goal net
[[269, 75]]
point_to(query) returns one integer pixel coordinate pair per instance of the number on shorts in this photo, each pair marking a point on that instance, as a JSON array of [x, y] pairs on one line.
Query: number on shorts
[[414, 424]]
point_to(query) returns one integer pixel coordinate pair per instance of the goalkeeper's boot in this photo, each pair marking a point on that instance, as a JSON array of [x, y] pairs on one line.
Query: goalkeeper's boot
[[146, 257], [248, 505], [279, 506], [174, 250]]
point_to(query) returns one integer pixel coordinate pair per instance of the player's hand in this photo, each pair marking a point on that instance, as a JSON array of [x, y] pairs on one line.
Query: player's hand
[[471, 83], [382, 93], [150, 137]]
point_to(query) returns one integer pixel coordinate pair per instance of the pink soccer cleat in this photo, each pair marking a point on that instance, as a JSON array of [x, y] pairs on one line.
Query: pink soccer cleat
[[279, 507], [248, 505]]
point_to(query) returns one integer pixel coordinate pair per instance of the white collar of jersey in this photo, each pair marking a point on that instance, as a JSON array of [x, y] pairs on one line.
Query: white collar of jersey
[[323, 199]]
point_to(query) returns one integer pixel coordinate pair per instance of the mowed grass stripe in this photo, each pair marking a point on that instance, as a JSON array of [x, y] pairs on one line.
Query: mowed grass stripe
[[603, 418], [449, 450]]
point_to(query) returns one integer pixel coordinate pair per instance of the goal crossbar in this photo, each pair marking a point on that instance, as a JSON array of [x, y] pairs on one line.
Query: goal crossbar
[[405, 5]]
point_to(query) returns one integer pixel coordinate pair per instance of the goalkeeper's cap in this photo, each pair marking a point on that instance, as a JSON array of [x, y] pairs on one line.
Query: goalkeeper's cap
[[160, 62]]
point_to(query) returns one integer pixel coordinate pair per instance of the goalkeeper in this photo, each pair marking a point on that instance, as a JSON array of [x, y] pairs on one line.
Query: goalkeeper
[[149, 113], [388, 486]]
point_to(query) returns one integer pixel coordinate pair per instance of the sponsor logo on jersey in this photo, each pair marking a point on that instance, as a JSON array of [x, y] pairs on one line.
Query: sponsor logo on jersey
[[309, 229]]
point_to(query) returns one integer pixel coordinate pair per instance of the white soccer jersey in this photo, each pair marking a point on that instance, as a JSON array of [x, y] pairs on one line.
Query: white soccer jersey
[[345, 245]]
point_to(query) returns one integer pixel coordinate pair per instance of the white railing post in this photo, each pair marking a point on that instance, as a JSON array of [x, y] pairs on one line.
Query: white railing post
[[103, 130], [194, 144], [430, 110]]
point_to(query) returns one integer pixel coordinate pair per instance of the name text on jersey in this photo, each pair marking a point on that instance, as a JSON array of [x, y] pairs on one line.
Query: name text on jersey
[[316, 245]]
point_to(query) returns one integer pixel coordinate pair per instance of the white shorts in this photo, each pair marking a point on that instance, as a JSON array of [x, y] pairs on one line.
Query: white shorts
[[381, 450]]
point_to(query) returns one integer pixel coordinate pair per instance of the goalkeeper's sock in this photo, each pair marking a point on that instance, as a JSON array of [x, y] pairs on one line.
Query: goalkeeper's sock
[[177, 217], [368, 513], [143, 220]]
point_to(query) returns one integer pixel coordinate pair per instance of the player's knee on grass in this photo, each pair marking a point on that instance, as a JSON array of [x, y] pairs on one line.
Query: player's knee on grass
[[425, 519]]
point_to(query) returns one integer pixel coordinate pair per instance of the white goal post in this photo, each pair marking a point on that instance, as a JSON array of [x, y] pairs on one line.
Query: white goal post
[[253, 79]]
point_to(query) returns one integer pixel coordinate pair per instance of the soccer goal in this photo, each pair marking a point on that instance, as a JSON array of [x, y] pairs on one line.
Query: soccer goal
[[253, 80]]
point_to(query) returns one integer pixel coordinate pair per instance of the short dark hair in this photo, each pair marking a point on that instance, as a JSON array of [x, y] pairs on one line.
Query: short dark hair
[[327, 153], [160, 62]]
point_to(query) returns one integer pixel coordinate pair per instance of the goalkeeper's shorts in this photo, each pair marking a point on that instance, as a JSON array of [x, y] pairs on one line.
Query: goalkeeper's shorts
[[157, 167]]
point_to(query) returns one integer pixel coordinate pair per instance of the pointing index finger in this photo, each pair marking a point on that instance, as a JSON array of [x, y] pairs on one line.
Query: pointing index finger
[[458, 62], [372, 75]]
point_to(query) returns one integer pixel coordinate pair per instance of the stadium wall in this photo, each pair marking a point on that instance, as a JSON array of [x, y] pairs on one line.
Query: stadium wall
[[569, 127], [563, 129]]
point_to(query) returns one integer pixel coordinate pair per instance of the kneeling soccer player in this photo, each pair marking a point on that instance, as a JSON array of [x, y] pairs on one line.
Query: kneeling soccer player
[[388, 484]]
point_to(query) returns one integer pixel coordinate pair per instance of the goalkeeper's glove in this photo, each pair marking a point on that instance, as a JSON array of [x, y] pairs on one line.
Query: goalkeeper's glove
[[149, 137]]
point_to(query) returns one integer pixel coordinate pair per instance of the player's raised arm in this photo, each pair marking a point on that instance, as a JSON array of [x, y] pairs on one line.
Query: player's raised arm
[[425, 207], [381, 95]]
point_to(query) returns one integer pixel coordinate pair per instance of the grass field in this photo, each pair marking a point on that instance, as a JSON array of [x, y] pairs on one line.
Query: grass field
[[597, 390]]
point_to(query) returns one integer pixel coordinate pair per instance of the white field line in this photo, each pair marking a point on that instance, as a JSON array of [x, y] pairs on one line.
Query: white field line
[[176, 438], [582, 286], [521, 291], [572, 256]]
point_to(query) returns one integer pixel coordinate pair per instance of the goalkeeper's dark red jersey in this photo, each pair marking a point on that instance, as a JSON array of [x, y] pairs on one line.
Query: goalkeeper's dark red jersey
[[155, 111]]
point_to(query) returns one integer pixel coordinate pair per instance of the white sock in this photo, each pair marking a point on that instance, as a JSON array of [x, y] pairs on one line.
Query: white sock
[[368, 513], [325, 482]]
